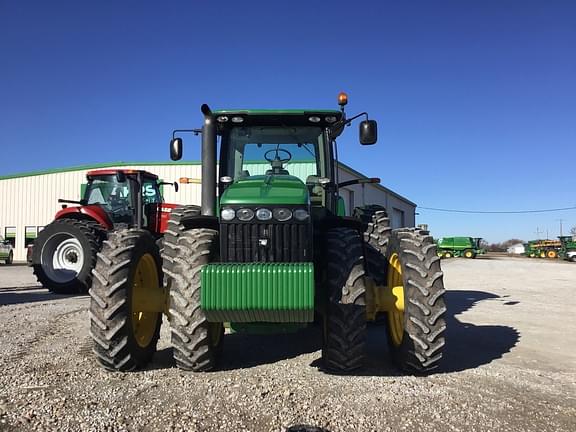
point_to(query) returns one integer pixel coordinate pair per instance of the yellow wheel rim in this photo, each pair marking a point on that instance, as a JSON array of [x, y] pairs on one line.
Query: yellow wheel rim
[[468, 254], [145, 281], [396, 313], [551, 254]]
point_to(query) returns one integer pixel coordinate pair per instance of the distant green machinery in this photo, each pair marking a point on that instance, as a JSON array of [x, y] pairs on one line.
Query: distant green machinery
[[543, 248], [564, 247], [467, 247], [568, 248]]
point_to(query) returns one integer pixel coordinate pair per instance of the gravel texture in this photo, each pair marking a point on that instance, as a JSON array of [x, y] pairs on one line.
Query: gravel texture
[[510, 366]]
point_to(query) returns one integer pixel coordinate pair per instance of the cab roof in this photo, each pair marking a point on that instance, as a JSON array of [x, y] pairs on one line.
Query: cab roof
[[268, 117], [103, 172]]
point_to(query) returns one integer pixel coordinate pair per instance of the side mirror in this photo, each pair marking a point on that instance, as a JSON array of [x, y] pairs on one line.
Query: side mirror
[[176, 149], [368, 132], [120, 176], [176, 186]]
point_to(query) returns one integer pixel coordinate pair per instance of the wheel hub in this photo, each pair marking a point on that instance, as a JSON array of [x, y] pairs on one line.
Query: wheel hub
[[62, 257]]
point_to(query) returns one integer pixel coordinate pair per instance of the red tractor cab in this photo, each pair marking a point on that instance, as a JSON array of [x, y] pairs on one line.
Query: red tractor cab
[[65, 251]]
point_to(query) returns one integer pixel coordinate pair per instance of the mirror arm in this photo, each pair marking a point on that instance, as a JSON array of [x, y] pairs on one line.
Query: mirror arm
[[194, 131], [359, 181], [346, 122]]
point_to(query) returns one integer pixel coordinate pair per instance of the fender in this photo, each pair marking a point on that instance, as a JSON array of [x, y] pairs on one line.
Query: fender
[[93, 212]]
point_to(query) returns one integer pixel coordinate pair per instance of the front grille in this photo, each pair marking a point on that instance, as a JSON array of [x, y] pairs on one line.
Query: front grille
[[266, 242]]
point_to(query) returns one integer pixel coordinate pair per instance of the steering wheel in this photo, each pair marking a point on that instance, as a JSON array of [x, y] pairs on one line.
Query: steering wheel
[[276, 158]]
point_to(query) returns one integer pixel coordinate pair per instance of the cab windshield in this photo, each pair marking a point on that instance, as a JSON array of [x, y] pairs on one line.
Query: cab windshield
[[274, 150]]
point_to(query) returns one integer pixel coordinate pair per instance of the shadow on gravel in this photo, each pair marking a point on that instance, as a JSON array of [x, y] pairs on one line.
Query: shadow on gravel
[[242, 350], [467, 345], [30, 294]]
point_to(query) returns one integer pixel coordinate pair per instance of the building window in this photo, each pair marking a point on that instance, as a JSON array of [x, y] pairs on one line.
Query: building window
[[30, 235], [10, 235]]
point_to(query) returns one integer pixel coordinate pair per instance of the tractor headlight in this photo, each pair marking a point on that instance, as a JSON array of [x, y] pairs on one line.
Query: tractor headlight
[[245, 214], [301, 215], [227, 214], [263, 214], [282, 214]]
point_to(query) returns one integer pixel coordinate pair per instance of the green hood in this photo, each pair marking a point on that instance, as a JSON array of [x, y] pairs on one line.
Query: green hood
[[261, 189]]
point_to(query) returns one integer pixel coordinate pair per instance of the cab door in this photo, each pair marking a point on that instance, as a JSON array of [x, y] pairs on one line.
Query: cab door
[[152, 200]]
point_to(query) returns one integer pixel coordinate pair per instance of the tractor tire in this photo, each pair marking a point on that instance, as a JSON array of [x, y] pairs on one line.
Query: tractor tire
[[376, 238], [127, 270], [196, 343], [447, 254], [10, 258], [343, 348], [469, 254], [552, 254], [416, 331], [171, 235], [64, 255]]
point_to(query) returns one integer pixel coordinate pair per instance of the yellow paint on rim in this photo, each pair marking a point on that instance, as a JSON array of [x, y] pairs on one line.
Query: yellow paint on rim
[[144, 282], [396, 313], [468, 254], [551, 254]]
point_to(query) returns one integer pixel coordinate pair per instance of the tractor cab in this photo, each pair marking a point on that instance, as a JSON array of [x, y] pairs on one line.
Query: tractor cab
[[122, 198], [120, 194]]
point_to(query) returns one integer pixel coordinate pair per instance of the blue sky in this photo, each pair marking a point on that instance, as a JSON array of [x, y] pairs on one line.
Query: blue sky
[[476, 100]]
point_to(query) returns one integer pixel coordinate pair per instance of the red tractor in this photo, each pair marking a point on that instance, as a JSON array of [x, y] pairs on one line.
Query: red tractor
[[65, 251]]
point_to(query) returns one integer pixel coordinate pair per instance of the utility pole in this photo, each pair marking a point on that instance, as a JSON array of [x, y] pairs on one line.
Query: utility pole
[[560, 220], [538, 232]]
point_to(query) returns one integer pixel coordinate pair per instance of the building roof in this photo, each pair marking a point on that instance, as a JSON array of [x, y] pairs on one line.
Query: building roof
[[135, 164]]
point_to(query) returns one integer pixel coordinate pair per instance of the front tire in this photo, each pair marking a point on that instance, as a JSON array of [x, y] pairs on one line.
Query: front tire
[[64, 255], [196, 343], [124, 319], [343, 350], [416, 324], [10, 258]]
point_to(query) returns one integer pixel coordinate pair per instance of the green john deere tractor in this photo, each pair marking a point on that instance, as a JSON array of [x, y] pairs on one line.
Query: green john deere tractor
[[270, 249]]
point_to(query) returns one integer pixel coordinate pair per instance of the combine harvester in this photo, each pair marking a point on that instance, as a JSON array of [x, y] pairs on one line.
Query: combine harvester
[[467, 247], [270, 251]]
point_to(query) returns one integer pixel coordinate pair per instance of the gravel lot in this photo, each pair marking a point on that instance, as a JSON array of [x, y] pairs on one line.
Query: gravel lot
[[510, 366]]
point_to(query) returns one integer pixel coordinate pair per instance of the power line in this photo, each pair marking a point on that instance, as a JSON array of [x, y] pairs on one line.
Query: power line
[[498, 212]]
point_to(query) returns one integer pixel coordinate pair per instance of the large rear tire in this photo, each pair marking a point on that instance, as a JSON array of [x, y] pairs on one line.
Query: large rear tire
[[416, 324], [376, 239], [343, 350], [124, 321], [175, 228], [64, 255], [196, 343]]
